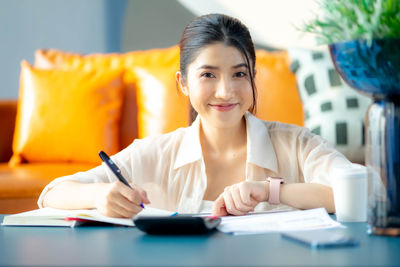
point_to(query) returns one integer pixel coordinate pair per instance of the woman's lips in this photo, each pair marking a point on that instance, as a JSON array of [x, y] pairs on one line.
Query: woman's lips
[[223, 107]]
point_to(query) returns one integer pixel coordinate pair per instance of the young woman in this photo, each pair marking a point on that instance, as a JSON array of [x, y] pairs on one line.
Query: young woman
[[227, 161]]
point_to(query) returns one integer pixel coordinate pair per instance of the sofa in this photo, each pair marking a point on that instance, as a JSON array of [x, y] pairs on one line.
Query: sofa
[[71, 106]]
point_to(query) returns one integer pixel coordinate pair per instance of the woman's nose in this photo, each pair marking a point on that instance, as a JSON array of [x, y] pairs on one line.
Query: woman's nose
[[224, 89]]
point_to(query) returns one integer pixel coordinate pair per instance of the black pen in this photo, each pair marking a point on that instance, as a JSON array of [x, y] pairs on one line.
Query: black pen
[[114, 168]]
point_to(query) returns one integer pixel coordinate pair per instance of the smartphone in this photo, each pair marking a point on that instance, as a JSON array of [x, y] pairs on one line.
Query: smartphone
[[321, 238], [176, 225]]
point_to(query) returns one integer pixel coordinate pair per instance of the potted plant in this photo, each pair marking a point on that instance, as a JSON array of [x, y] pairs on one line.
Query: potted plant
[[345, 20], [364, 42]]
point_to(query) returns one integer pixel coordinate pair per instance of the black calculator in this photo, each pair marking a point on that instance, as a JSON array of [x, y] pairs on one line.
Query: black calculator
[[176, 225]]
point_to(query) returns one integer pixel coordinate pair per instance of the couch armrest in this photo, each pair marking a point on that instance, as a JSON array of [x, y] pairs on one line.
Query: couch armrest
[[8, 112]]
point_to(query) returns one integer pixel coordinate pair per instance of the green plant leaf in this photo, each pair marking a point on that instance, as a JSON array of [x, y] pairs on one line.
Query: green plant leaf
[[344, 20]]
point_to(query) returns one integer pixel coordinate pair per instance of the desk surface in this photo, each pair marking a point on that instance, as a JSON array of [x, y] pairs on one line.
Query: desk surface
[[124, 246]]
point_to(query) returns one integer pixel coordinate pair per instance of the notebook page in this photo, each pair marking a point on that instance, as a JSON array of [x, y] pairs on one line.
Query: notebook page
[[278, 222], [56, 217], [96, 216]]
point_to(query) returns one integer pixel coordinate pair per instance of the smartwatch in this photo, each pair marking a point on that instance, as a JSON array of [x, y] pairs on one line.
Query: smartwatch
[[274, 188]]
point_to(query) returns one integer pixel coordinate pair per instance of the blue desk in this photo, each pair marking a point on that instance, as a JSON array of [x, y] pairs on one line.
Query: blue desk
[[123, 246]]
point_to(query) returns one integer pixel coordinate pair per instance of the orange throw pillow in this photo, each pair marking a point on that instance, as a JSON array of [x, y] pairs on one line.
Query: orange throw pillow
[[278, 98], [67, 116], [53, 58], [161, 108], [56, 59]]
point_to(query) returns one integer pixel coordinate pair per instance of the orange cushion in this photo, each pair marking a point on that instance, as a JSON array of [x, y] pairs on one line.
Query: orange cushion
[[278, 98], [67, 116], [161, 108], [53, 58], [56, 59]]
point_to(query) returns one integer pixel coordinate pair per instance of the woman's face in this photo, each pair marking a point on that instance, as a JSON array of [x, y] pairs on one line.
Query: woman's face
[[218, 85]]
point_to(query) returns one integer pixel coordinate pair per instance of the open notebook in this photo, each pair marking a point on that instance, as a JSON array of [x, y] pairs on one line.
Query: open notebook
[[72, 218]]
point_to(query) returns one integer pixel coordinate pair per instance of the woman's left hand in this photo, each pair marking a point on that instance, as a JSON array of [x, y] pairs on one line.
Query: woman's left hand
[[241, 198]]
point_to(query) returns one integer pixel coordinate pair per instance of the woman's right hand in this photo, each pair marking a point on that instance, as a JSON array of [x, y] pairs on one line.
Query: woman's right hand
[[117, 200]]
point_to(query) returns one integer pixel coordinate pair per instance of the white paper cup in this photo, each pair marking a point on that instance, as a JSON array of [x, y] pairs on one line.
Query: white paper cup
[[350, 193]]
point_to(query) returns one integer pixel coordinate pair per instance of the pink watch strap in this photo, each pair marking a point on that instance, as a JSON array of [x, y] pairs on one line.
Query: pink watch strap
[[274, 188]]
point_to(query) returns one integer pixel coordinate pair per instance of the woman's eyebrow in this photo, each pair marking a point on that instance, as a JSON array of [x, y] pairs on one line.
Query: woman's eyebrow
[[207, 67], [240, 66]]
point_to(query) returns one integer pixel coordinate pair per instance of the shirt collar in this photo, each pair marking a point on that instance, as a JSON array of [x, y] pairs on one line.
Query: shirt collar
[[190, 148], [260, 150]]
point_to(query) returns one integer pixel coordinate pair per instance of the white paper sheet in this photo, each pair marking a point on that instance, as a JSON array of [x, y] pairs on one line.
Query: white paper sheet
[[278, 222], [56, 217]]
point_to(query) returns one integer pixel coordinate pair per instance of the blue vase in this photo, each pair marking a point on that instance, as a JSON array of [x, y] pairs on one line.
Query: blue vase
[[374, 69]]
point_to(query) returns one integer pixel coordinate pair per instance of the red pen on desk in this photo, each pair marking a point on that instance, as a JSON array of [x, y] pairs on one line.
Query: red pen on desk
[[114, 168]]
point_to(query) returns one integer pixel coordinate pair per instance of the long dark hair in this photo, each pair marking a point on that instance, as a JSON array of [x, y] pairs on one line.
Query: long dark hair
[[213, 28]]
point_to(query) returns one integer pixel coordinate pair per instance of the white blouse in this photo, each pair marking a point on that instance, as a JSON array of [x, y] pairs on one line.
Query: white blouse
[[170, 167]]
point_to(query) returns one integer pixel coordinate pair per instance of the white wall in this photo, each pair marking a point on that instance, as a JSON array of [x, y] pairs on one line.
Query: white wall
[[272, 23], [25, 25]]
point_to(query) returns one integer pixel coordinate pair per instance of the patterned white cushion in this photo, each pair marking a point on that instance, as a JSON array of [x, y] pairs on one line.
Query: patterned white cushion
[[332, 109]]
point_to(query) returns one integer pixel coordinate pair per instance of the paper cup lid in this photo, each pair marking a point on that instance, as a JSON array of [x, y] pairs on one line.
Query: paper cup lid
[[350, 171]]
